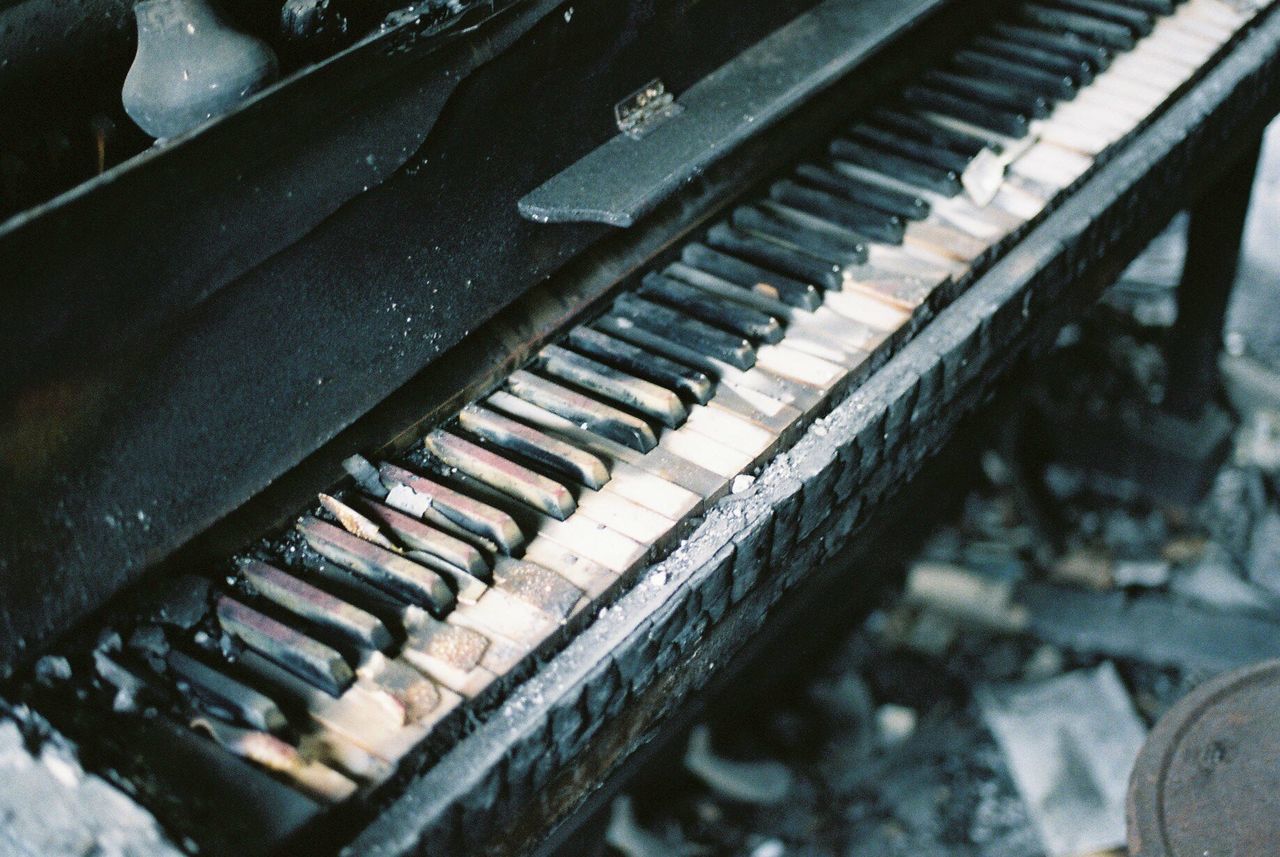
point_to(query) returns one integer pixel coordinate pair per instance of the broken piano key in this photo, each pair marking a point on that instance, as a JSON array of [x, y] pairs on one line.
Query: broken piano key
[[293, 650], [426, 496], [315, 605], [389, 571], [274, 754], [505, 475], [642, 363], [603, 419], [640, 395]]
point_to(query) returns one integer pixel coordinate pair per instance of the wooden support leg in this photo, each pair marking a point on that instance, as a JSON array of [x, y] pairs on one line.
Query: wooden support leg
[[1213, 256]]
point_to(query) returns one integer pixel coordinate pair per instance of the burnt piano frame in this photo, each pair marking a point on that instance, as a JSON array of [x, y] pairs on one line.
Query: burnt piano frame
[[616, 686], [631, 677]]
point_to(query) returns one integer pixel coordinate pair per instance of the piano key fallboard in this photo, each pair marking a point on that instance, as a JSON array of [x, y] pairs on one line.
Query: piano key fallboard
[[328, 654]]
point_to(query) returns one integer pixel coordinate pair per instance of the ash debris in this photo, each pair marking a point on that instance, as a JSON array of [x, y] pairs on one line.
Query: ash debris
[[991, 705], [52, 808]]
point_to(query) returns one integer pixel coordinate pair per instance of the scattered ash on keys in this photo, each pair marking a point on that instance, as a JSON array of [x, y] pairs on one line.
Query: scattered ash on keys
[[993, 703]]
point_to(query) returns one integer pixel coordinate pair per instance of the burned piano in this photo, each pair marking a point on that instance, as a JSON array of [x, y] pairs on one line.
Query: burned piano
[[390, 457]]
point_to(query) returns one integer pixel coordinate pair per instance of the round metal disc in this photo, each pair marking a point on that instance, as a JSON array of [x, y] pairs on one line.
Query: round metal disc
[[1207, 781]]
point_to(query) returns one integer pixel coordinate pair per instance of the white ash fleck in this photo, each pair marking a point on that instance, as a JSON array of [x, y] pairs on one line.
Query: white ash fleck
[[52, 668], [894, 723], [742, 482], [769, 848], [1045, 662], [1145, 573]]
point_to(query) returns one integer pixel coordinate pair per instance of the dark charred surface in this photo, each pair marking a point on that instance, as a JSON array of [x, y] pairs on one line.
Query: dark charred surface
[[152, 418]]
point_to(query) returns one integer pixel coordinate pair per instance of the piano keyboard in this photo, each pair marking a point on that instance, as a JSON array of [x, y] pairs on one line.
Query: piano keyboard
[[333, 651]]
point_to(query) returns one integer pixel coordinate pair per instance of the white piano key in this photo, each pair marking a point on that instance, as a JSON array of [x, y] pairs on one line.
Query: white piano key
[[697, 447], [624, 516], [799, 366], [731, 430], [499, 615], [596, 541], [652, 492], [591, 577], [868, 310]]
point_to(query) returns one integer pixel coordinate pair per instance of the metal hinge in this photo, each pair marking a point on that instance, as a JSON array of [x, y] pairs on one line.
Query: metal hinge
[[641, 111]]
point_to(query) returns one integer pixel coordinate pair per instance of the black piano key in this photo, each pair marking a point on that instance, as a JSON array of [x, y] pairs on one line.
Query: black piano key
[[666, 343], [876, 225], [896, 144], [990, 92], [758, 221], [890, 201], [864, 220], [549, 452], [754, 325], [761, 381], [302, 655], [920, 128], [1139, 23], [736, 270], [545, 451], [1017, 72], [1080, 71], [1151, 7], [945, 182], [643, 337], [822, 230], [641, 363], [443, 542], [1115, 36], [225, 694], [644, 397], [700, 279], [1065, 44], [529, 517], [662, 320], [317, 605], [593, 415], [456, 512], [389, 571], [769, 254], [1000, 121]]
